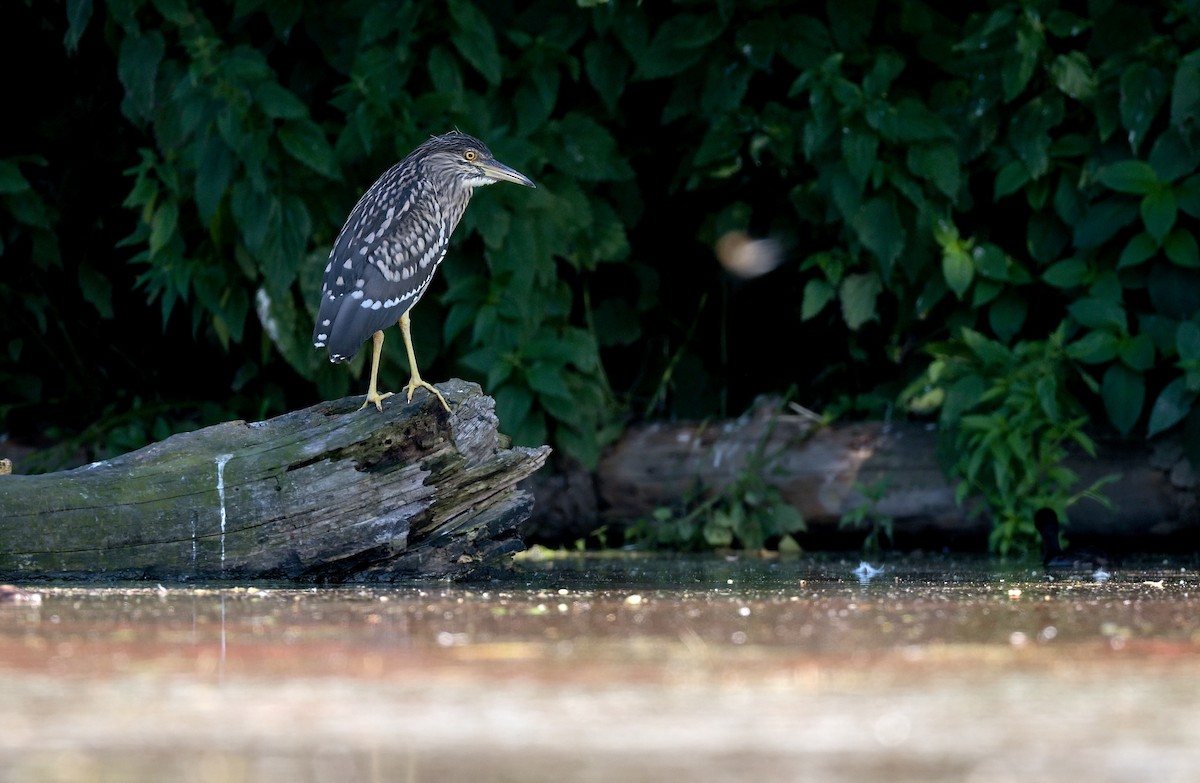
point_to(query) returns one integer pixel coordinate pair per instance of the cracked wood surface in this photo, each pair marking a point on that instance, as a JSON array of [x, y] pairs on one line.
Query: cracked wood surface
[[328, 493]]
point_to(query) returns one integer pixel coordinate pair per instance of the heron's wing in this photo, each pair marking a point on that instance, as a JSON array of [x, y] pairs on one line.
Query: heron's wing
[[381, 263]]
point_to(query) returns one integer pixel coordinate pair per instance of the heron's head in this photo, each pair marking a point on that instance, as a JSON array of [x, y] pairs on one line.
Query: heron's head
[[467, 160]]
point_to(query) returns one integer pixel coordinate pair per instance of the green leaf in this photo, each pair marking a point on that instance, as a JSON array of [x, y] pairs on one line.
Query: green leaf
[[474, 39], [1138, 250], [1073, 74], [1095, 347], [589, 151], [137, 68], [97, 289], [984, 292], [878, 226], [1029, 132], [607, 69], [1007, 315], [1187, 341], [11, 179], [1187, 194], [513, 404], [1124, 393], [888, 65], [1011, 177], [958, 270], [175, 11], [1137, 352], [1181, 248], [961, 396], [938, 164], [718, 532], [534, 101], [242, 63], [1173, 403], [1185, 94], [609, 240], [858, 293], [284, 14], [678, 42], [445, 72], [1143, 90], [162, 226], [547, 380], [1019, 66], [850, 22], [290, 231], [1065, 24], [278, 102], [79, 12], [305, 142], [1046, 237], [1070, 273], [251, 211], [616, 323], [859, 148], [990, 262], [1047, 394], [581, 444], [817, 294], [989, 352], [1174, 158], [1159, 212], [1103, 220], [213, 176], [1129, 176], [910, 121], [1068, 201], [1174, 291], [1098, 313], [787, 519]]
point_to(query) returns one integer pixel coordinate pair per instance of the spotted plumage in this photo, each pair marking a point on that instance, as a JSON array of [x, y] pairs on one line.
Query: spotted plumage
[[392, 243]]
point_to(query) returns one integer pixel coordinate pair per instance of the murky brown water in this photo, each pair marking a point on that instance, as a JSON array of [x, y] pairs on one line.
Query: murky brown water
[[628, 669]]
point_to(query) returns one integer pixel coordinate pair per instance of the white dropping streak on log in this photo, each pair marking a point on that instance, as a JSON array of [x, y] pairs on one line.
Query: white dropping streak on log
[[221, 461]]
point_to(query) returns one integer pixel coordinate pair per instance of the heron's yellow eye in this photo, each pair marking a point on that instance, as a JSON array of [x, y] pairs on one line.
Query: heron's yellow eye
[[470, 154]]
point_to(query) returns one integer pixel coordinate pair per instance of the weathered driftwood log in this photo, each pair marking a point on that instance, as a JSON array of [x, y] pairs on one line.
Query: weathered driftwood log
[[322, 494], [822, 471]]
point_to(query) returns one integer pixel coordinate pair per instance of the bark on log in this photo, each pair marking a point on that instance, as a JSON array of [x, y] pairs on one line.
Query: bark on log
[[820, 471], [322, 494]]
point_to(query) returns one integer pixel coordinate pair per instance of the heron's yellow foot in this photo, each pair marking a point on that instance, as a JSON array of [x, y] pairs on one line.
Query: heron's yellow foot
[[373, 395], [415, 383], [377, 398]]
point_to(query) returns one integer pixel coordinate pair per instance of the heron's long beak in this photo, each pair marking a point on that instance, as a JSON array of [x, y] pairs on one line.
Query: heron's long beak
[[497, 170]]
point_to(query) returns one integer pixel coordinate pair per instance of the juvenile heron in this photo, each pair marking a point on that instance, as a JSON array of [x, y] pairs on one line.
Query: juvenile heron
[[391, 245]]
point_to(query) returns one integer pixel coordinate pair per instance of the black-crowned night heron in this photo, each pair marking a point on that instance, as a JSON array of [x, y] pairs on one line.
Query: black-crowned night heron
[[391, 245]]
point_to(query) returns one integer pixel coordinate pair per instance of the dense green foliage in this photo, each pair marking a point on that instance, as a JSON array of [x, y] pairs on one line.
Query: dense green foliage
[[1006, 172], [1007, 419]]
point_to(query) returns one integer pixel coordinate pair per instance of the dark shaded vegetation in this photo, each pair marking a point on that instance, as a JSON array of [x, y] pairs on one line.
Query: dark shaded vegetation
[[951, 190]]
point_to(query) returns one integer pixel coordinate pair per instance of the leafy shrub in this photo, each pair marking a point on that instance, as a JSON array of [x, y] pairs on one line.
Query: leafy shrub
[[1007, 422], [1019, 171], [867, 514]]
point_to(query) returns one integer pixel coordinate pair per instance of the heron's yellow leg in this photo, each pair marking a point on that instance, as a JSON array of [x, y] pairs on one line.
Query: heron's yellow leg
[[373, 395], [415, 381]]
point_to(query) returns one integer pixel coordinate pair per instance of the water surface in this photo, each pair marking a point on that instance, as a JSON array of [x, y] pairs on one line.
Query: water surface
[[616, 669]]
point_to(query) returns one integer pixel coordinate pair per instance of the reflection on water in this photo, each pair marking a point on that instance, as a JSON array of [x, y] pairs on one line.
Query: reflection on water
[[614, 668]]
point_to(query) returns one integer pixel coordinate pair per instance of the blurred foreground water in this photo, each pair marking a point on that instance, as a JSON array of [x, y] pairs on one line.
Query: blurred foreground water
[[618, 668]]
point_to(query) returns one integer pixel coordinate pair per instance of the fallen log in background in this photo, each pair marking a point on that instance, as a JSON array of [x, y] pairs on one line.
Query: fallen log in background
[[323, 494], [822, 470]]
